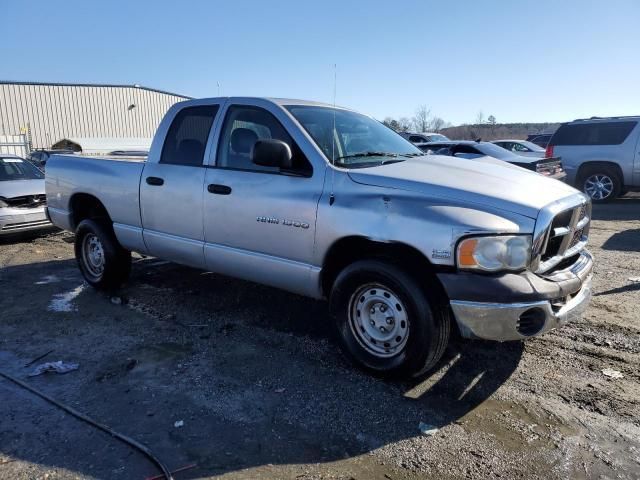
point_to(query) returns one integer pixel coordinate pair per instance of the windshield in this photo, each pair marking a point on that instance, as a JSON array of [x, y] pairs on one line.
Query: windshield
[[14, 168], [356, 141]]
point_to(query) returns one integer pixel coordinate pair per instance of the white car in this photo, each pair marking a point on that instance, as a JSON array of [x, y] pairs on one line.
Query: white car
[[521, 147], [22, 196]]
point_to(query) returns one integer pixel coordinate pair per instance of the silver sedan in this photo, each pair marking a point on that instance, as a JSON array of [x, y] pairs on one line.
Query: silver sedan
[[22, 196]]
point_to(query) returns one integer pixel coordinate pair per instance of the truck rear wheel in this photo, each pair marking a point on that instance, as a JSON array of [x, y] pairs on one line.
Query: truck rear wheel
[[104, 264], [386, 322]]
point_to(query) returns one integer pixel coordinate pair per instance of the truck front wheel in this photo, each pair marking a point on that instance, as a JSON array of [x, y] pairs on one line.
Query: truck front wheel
[[386, 321], [104, 264]]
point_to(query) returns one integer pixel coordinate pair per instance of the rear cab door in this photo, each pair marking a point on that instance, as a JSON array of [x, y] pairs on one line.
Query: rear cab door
[[172, 183]]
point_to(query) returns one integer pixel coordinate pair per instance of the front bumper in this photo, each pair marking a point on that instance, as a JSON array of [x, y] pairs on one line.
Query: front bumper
[[519, 306], [18, 220]]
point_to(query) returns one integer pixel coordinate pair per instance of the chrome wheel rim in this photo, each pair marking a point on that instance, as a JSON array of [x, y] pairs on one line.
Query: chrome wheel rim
[[378, 320], [598, 186], [93, 255]]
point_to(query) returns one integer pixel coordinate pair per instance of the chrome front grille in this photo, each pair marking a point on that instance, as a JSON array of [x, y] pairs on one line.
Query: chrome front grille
[[27, 201], [561, 234]]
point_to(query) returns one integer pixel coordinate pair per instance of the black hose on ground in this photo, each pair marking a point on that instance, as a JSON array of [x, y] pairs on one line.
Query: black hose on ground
[[129, 441]]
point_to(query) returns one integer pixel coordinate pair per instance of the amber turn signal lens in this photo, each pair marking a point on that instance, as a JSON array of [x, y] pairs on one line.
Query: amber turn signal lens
[[465, 253]]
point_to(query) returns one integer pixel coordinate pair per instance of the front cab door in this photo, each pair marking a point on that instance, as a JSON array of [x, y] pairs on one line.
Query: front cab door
[[260, 221]]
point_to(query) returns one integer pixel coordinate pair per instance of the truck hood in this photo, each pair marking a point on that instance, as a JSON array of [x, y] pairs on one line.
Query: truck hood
[[489, 182], [20, 188]]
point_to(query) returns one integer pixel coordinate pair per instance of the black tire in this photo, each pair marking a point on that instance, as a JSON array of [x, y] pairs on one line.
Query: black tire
[[427, 319], [611, 177], [116, 261]]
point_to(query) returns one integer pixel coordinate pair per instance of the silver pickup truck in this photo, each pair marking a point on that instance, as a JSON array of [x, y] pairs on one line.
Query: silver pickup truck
[[328, 203]]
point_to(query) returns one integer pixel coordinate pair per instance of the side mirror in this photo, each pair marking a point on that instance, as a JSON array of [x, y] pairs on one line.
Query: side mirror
[[271, 153]]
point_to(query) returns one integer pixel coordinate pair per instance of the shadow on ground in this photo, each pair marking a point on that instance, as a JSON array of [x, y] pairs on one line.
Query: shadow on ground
[[253, 372], [623, 208], [625, 241]]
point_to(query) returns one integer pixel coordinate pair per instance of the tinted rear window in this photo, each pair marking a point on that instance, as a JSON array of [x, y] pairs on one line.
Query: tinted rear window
[[187, 136], [610, 133]]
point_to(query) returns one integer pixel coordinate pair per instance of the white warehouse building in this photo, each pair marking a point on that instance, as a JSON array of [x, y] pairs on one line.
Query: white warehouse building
[[46, 113]]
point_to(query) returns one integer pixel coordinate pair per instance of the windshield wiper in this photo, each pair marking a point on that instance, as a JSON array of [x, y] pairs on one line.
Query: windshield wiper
[[367, 164], [368, 154], [412, 154]]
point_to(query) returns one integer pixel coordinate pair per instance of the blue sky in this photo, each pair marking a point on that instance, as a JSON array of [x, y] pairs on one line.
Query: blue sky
[[518, 60]]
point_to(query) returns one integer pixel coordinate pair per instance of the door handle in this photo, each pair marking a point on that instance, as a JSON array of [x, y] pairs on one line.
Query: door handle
[[156, 181], [219, 189]]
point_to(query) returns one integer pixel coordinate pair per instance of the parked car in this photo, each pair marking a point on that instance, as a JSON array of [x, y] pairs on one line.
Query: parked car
[[424, 137], [540, 139], [521, 147], [601, 155], [40, 157], [328, 203], [22, 196], [550, 167]]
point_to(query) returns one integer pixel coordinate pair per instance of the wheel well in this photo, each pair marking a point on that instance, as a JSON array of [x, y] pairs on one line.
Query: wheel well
[[351, 249], [83, 206], [612, 165]]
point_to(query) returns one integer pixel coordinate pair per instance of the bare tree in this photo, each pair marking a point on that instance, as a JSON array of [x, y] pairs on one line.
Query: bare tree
[[422, 118], [392, 123], [491, 120], [480, 118], [436, 124], [404, 124]]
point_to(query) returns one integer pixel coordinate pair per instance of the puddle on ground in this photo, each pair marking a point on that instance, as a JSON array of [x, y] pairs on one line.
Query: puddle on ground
[[63, 302], [512, 423], [152, 359], [47, 279]]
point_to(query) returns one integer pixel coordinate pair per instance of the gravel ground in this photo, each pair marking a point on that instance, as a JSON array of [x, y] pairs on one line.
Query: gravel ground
[[257, 379]]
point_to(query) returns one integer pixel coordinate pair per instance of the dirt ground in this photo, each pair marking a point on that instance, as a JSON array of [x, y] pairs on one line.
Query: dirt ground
[[263, 391]]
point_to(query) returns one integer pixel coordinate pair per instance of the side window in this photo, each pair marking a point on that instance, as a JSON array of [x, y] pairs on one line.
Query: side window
[[417, 139], [187, 136], [243, 127], [518, 147], [609, 133]]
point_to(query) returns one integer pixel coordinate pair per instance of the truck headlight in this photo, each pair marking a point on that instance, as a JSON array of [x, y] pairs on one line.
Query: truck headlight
[[494, 253]]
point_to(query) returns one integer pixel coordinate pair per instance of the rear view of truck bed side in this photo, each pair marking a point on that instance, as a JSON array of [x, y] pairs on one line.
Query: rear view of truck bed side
[[77, 186]]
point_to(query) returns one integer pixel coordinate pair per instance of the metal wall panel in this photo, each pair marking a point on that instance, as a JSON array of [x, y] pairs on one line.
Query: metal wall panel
[[14, 144], [51, 112]]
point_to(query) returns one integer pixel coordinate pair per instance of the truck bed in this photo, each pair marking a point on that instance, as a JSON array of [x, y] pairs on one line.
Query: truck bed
[[114, 180]]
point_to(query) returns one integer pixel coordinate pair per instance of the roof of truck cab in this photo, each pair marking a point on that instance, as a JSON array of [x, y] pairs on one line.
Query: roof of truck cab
[[276, 100]]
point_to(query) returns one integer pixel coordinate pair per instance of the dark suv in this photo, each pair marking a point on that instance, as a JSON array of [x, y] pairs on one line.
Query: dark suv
[[600, 155]]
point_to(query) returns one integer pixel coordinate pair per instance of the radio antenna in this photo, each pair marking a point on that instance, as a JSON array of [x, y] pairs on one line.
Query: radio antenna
[[332, 197]]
